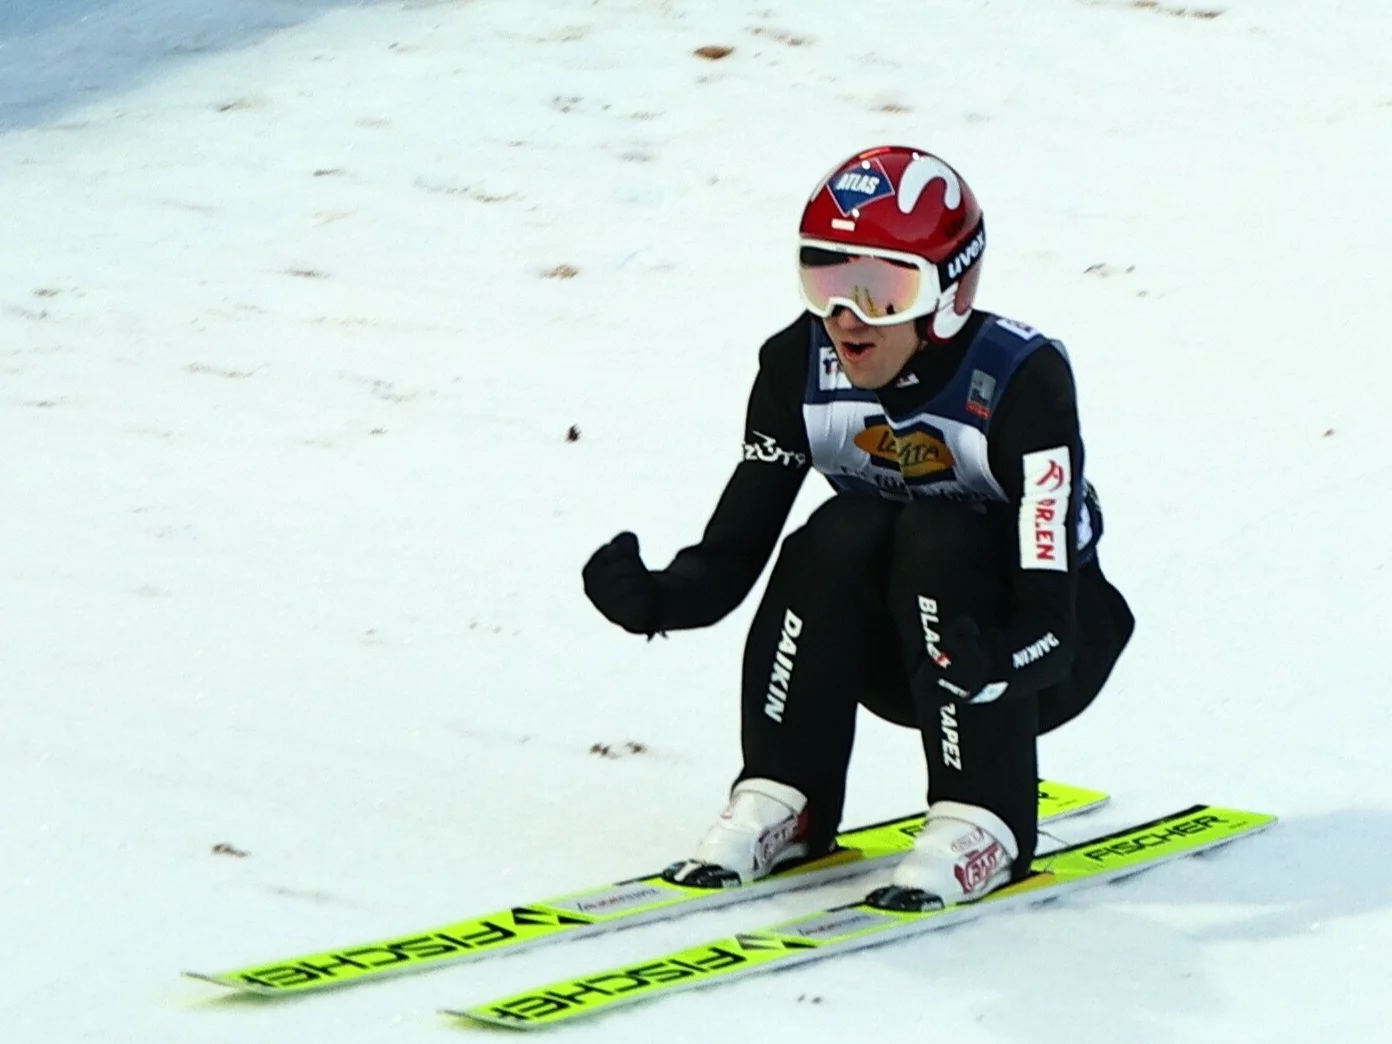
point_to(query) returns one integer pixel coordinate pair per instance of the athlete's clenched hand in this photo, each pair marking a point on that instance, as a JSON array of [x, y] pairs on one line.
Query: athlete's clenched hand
[[622, 588]]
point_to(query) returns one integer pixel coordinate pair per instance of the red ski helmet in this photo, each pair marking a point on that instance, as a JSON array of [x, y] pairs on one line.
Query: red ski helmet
[[893, 233]]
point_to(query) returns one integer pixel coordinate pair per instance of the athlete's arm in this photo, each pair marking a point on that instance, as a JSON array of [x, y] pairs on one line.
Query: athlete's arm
[[1035, 452], [708, 580]]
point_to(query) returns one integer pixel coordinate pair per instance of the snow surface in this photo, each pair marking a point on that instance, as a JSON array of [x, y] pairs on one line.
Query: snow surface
[[291, 528]]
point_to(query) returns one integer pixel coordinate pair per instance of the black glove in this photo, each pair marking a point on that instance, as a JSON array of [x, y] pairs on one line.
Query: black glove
[[622, 588], [962, 668]]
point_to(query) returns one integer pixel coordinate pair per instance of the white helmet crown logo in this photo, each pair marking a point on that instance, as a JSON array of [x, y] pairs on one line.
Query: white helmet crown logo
[[921, 172]]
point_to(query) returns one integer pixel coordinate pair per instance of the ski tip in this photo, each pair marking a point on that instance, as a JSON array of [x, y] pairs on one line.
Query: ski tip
[[240, 988], [479, 1020]]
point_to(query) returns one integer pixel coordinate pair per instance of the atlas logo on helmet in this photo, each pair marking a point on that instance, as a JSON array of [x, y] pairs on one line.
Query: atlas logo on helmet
[[855, 188]]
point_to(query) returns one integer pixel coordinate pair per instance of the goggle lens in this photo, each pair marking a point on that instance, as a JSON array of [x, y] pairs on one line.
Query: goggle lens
[[876, 288]]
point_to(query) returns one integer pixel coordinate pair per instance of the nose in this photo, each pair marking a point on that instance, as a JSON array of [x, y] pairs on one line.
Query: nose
[[846, 320]]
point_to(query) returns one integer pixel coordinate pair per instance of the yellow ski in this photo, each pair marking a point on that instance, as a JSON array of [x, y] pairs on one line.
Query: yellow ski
[[619, 904], [859, 925]]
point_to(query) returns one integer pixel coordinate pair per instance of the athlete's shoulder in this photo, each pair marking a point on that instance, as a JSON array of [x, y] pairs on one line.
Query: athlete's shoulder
[[997, 325], [1032, 350]]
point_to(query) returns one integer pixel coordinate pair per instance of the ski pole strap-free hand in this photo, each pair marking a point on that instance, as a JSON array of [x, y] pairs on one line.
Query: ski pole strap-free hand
[[622, 588]]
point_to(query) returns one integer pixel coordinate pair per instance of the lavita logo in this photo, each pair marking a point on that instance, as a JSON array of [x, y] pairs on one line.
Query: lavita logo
[[967, 255]]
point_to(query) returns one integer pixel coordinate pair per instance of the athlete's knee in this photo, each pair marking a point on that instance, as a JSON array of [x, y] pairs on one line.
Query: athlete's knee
[[847, 534], [945, 530]]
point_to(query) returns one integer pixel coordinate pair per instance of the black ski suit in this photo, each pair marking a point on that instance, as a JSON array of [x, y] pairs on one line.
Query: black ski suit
[[963, 531]]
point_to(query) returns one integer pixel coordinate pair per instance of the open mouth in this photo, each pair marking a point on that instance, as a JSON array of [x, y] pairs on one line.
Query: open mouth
[[854, 350]]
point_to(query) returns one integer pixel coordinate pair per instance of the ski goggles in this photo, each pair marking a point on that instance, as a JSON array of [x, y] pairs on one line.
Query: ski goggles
[[882, 287]]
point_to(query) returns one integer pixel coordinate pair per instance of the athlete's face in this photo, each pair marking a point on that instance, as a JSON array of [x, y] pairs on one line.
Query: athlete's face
[[871, 356]]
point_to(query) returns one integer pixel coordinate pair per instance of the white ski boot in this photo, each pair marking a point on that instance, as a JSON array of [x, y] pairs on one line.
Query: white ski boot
[[963, 853], [763, 826]]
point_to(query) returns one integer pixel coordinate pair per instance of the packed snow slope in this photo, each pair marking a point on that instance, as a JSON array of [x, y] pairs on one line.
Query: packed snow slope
[[298, 304]]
